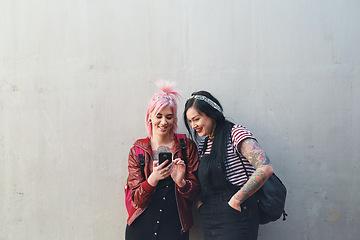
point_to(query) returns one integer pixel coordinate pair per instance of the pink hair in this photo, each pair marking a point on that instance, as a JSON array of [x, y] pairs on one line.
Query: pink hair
[[158, 102]]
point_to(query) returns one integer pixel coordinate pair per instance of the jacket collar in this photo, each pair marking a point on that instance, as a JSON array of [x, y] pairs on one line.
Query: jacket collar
[[144, 143]]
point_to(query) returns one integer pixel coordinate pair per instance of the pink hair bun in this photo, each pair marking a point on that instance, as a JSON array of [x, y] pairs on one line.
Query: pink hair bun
[[168, 89]]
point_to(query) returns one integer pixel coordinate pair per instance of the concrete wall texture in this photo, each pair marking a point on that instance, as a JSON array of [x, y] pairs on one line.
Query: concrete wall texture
[[76, 76]]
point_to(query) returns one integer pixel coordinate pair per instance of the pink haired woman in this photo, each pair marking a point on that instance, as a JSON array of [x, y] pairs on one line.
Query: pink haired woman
[[162, 194]]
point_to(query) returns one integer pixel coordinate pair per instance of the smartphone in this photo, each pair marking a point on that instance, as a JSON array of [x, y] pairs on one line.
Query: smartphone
[[163, 156]]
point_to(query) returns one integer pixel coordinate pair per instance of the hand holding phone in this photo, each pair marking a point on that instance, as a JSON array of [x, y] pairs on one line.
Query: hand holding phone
[[163, 156]]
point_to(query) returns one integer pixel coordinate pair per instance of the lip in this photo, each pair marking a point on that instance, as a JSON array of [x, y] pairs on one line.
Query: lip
[[198, 130], [162, 129]]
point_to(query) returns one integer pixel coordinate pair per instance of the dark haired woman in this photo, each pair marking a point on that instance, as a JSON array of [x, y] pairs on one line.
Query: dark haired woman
[[227, 206]]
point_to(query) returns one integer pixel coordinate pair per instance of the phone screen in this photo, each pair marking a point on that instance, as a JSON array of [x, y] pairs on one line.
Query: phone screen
[[163, 156]]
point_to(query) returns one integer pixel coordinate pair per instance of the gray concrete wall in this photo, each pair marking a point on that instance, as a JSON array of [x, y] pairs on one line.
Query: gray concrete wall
[[75, 78]]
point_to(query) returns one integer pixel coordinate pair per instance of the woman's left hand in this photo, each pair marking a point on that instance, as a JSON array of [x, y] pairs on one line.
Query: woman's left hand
[[235, 204], [178, 172]]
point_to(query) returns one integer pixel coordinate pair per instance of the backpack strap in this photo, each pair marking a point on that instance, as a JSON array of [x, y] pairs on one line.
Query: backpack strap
[[181, 138], [141, 155]]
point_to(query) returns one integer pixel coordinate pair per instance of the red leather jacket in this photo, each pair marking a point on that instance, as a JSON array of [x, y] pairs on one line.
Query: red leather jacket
[[142, 191]]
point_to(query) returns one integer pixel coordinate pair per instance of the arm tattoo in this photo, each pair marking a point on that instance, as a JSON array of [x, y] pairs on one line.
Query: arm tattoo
[[255, 181], [251, 149]]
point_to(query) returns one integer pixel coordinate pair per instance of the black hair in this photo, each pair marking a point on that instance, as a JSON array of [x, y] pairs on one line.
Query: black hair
[[222, 132]]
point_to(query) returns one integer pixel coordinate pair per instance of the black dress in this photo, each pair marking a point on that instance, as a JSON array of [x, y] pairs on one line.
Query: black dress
[[160, 220]]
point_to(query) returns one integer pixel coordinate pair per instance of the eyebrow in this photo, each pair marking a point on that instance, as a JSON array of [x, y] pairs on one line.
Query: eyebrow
[[195, 116], [159, 114]]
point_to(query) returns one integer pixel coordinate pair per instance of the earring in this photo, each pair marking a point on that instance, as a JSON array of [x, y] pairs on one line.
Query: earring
[[149, 120]]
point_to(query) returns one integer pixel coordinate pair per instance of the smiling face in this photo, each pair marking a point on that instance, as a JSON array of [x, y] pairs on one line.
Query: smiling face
[[162, 122], [200, 122]]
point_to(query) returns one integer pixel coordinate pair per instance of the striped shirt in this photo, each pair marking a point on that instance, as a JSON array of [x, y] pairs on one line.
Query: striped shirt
[[235, 172]]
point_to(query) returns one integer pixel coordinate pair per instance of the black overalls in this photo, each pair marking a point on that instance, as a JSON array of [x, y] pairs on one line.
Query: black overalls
[[220, 221]]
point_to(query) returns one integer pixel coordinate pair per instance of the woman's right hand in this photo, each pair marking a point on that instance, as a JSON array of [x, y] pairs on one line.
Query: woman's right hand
[[198, 204], [159, 172]]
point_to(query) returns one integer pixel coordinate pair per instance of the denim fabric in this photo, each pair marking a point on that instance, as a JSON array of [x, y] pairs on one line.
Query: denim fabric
[[220, 221]]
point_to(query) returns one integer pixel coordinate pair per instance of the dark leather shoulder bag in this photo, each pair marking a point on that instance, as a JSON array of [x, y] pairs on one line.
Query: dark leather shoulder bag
[[271, 198]]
